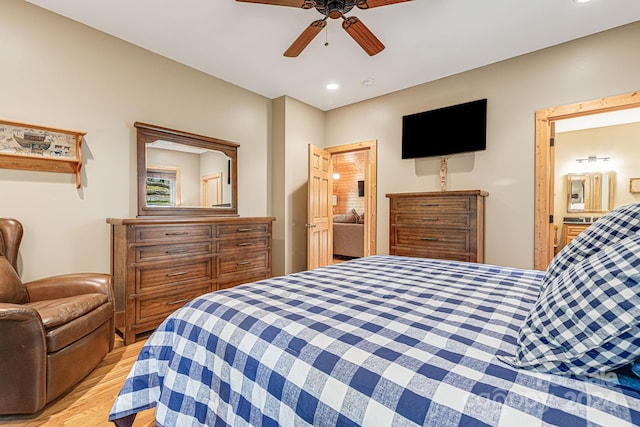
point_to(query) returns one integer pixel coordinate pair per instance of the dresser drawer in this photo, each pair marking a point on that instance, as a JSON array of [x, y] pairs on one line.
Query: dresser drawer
[[442, 239], [159, 252], [239, 279], [149, 277], [432, 204], [243, 230], [243, 244], [434, 219], [426, 253], [158, 307], [172, 233], [243, 262]]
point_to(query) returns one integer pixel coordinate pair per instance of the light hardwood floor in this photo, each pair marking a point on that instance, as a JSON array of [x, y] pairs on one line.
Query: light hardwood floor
[[89, 402]]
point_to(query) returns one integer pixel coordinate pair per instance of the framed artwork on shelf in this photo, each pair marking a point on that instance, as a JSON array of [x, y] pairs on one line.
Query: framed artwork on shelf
[[39, 148], [634, 185]]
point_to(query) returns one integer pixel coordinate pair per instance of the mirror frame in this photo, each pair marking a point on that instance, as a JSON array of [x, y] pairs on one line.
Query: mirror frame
[[147, 133]]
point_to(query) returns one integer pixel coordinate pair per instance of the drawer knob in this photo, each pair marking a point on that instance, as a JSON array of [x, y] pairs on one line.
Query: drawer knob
[[179, 273], [430, 219], [244, 230], [430, 239], [244, 263], [176, 251], [244, 244], [177, 233], [178, 301], [429, 205]]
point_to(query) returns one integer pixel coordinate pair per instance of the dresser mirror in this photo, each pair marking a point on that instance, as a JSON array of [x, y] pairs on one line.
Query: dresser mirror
[[180, 173], [590, 192]]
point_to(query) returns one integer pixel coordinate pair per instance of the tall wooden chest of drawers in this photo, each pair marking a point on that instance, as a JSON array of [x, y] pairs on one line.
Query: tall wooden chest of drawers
[[159, 264], [443, 224]]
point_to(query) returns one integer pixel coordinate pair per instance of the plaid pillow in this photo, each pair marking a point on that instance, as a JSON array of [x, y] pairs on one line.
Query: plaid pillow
[[615, 225], [587, 320]]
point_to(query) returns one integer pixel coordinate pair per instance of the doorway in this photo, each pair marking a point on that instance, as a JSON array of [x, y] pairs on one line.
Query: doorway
[[364, 156], [544, 233], [319, 248]]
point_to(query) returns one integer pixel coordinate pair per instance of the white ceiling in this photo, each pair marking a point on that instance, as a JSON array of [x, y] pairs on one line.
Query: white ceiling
[[242, 43], [612, 118]]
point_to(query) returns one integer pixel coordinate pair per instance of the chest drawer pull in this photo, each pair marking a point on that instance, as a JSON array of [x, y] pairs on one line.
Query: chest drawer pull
[[429, 205], [430, 219], [244, 263], [429, 239], [244, 230], [245, 244], [178, 301], [177, 233], [176, 251], [179, 273]]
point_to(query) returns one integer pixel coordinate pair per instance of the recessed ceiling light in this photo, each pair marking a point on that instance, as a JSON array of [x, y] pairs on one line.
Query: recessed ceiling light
[[581, 1], [333, 86]]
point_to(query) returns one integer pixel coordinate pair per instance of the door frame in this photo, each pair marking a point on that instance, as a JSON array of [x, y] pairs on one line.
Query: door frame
[[371, 187], [544, 164], [204, 192]]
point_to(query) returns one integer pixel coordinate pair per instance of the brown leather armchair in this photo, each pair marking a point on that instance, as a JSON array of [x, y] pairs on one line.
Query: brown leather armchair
[[53, 331]]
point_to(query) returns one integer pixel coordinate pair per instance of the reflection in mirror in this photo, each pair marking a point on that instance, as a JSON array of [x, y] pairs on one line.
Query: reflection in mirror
[[195, 167], [185, 174], [163, 185], [578, 188], [590, 192]]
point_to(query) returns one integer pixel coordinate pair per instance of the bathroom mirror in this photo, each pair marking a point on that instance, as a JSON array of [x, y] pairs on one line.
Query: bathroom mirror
[[590, 192], [181, 173]]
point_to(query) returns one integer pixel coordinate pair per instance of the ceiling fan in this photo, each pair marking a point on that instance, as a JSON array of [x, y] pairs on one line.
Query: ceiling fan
[[333, 9]]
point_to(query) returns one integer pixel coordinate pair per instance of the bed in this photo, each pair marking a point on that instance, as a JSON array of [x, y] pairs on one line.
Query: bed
[[391, 341]]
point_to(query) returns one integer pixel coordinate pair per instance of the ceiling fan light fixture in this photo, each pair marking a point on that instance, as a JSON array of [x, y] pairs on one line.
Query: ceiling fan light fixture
[[333, 9]]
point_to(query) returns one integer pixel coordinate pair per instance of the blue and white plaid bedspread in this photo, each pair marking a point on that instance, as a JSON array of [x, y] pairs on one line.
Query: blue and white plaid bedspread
[[378, 341]]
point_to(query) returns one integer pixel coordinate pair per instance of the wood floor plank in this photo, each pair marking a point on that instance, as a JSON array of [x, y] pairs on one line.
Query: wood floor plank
[[89, 402]]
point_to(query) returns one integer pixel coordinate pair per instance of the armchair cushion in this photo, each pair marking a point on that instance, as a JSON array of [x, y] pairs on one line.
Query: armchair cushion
[[11, 288], [56, 312]]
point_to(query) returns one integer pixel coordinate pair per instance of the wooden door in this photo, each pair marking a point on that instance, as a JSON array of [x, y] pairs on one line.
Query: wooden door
[[319, 243]]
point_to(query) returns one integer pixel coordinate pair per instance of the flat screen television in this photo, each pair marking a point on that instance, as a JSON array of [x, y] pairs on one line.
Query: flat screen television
[[455, 129]]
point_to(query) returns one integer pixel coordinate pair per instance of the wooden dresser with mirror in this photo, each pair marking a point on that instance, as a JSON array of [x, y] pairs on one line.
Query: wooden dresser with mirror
[[187, 239]]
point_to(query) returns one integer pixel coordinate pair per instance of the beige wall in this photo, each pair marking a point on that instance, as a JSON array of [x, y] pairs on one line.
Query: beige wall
[[296, 125], [62, 74], [590, 68]]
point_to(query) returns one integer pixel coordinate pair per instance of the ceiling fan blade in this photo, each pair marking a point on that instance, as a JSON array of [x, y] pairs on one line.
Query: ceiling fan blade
[[362, 35], [306, 4], [368, 4], [305, 38]]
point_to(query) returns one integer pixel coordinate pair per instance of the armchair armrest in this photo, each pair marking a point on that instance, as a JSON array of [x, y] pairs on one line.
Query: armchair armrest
[[22, 359], [68, 285]]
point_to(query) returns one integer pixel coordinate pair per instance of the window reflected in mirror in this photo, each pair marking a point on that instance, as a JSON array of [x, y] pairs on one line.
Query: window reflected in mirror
[[163, 186]]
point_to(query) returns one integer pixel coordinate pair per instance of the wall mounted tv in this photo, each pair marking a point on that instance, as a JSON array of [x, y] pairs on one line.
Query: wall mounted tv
[[455, 129]]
